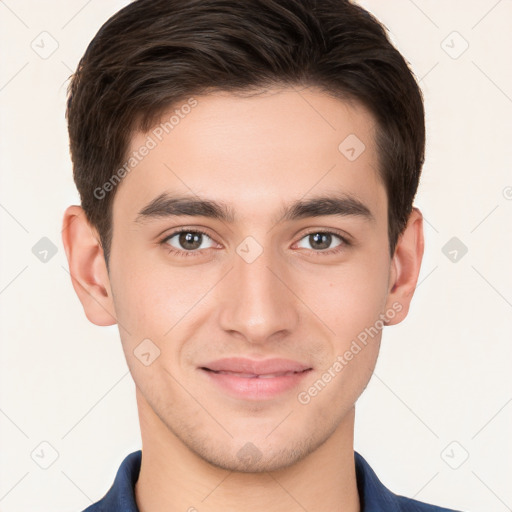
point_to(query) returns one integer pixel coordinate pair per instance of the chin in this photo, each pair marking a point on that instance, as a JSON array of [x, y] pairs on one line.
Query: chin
[[258, 455]]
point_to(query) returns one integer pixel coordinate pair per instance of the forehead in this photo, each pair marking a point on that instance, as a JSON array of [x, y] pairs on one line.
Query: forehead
[[252, 152]]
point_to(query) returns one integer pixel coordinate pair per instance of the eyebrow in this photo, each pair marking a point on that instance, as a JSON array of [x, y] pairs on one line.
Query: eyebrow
[[166, 205]]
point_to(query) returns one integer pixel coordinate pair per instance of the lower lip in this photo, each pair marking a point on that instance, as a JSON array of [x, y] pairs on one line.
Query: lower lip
[[255, 388]]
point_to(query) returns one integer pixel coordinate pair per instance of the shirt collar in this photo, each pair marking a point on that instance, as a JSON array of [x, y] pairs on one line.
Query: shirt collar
[[373, 495]]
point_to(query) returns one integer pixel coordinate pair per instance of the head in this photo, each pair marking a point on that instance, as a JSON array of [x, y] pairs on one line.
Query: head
[[252, 122]]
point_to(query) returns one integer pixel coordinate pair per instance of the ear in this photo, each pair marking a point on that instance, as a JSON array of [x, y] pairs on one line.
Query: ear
[[405, 267], [87, 267]]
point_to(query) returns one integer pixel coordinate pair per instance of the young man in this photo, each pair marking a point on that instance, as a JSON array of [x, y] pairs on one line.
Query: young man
[[246, 172]]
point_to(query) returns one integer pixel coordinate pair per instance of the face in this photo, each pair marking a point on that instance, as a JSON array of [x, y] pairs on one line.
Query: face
[[238, 319]]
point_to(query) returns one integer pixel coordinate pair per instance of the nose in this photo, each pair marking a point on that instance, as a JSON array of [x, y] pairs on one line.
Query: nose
[[258, 302]]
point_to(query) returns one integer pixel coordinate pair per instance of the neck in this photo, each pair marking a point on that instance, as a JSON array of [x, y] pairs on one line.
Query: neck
[[172, 478]]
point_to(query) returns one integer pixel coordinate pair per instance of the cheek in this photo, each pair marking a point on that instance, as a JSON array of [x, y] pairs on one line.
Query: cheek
[[352, 298], [150, 299], [148, 306]]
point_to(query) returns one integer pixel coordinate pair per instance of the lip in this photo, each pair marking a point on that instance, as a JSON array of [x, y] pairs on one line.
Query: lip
[[251, 379]]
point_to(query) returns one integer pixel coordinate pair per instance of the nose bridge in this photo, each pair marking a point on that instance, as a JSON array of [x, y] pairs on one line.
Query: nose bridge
[[259, 304]]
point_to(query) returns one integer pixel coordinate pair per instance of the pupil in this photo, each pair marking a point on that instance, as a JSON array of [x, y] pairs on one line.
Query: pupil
[[192, 240], [187, 239], [324, 239]]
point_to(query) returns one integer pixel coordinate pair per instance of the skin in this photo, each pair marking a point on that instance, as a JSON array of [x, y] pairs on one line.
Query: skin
[[257, 155]]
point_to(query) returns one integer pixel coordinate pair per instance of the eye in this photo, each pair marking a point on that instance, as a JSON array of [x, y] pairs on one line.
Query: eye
[[321, 242], [186, 242], [192, 242]]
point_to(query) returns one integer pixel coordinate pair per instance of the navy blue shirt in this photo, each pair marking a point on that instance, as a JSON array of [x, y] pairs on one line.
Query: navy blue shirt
[[373, 496]]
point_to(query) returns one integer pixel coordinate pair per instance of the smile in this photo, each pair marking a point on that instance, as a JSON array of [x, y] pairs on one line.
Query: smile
[[250, 379]]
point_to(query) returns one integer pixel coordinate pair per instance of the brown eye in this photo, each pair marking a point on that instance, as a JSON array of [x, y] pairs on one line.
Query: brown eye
[[320, 241], [187, 240]]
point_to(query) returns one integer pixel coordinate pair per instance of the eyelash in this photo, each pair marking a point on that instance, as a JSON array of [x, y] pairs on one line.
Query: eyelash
[[171, 250]]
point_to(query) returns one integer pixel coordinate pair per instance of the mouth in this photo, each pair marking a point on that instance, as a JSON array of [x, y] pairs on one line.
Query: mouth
[[255, 375], [249, 379]]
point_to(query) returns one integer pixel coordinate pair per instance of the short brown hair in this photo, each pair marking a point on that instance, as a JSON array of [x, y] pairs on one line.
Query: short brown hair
[[153, 54]]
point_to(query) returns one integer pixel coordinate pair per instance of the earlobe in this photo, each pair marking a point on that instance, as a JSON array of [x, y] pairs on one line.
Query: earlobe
[[406, 266], [87, 267]]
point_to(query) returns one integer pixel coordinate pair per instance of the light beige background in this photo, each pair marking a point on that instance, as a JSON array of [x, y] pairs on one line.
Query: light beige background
[[442, 387]]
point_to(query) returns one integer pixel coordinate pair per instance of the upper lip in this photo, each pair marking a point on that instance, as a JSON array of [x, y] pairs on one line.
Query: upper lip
[[255, 367]]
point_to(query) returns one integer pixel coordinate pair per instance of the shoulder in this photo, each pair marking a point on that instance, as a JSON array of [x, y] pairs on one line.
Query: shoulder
[[121, 496], [376, 497], [410, 505], [95, 507]]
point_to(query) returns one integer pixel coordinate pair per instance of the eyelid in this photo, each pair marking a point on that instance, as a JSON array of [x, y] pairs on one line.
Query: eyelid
[[178, 231], [345, 237], [181, 252], [338, 250]]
